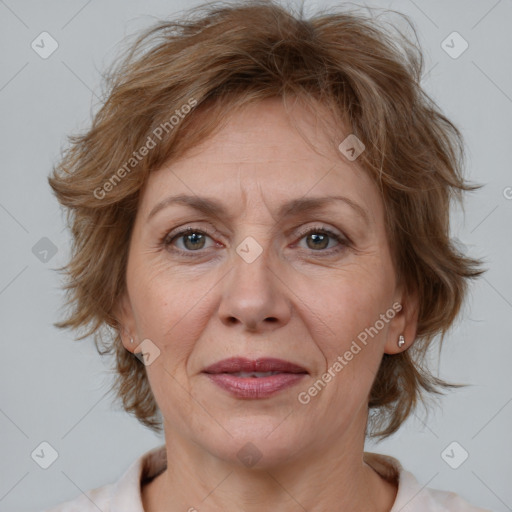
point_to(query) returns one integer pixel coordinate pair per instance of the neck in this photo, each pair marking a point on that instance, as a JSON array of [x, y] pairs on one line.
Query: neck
[[332, 478]]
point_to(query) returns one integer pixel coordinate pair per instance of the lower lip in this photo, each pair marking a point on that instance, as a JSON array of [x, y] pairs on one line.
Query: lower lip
[[255, 387]]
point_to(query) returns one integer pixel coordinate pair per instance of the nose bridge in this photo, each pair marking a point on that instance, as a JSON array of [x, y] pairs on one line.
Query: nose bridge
[[252, 268], [252, 294]]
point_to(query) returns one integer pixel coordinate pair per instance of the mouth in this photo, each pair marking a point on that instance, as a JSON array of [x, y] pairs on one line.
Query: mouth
[[251, 379], [254, 367], [257, 375]]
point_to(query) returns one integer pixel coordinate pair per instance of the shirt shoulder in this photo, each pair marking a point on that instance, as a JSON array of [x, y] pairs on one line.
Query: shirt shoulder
[[413, 497], [99, 498], [123, 495]]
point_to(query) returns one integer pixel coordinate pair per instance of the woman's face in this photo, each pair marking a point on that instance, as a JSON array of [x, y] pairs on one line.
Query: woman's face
[[258, 280]]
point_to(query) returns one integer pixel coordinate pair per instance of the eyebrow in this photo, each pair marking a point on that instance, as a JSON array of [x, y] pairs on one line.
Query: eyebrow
[[213, 208]]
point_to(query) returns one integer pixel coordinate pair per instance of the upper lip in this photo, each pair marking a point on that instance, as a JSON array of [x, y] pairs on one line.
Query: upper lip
[[242, 364]]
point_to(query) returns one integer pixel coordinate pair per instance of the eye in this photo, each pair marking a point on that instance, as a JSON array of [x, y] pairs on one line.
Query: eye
[[191, 238], [318, 238]]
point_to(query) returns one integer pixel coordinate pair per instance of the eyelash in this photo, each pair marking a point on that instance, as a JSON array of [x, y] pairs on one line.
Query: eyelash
[[342, 241]]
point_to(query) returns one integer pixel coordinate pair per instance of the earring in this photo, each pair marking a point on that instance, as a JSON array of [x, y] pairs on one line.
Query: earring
[[401, 341], [131, 340]]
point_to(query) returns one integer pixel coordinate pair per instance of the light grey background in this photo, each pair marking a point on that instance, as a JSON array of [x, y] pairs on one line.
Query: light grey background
[[53, 388]]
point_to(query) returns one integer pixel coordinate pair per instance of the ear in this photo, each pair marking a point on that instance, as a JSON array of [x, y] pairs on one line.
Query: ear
[[405, 321], [123, 313]]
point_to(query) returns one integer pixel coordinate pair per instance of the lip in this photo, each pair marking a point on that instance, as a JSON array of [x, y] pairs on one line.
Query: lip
[[242, 364], [220, 373]]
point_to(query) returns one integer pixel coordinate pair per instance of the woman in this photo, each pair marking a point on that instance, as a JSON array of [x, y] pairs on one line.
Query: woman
[[260, 220]]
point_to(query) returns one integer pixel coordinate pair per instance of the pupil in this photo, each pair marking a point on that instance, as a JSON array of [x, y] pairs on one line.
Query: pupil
[[194, 238], [320, 238]]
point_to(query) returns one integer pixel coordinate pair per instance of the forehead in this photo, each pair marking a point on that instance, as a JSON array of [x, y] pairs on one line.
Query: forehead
[[263, 154]]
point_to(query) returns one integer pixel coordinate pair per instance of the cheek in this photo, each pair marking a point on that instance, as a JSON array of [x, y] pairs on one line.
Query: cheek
[[353, 348], [351, 309], [171, 308], [157, 297]]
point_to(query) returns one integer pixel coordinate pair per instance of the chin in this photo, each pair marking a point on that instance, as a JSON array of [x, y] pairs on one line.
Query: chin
[[256, 442]]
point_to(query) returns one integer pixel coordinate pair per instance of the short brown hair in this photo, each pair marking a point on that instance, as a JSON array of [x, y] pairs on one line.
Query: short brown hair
[[219, 58]]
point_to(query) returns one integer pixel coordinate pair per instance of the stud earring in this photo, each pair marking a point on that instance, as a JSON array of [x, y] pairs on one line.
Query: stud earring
[[131, 340], [401, 341]]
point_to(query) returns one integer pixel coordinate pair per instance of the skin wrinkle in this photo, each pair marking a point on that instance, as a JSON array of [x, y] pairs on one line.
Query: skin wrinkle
[[103, 173], [319, 305]]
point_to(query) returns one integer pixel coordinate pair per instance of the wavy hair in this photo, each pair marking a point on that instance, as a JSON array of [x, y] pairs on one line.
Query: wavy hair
[[217, 58]]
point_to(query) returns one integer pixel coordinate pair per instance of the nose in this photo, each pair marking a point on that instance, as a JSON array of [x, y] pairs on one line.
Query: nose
[[254, 296]]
